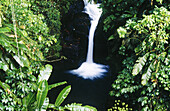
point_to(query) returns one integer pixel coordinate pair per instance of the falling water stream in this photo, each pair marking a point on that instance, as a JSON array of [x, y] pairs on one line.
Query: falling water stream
[[89, 69]]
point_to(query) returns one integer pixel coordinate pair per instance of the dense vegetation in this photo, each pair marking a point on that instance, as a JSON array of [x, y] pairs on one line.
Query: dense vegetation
[[143, 34], [138, 32], [29, 37]]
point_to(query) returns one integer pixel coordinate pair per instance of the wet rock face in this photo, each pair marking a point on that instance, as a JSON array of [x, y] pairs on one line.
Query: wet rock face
[[75, 29], [100, 43]]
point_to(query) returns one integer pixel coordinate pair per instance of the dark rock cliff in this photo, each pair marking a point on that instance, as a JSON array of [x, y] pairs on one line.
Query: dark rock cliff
[[75, 29]]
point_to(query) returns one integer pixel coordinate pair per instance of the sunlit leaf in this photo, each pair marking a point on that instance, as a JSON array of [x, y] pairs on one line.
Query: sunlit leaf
[[146, 76], [5, 86], [121, 31], [45, 73], [139, 65], [79, 107], [111, 37], [41, 93], [56, 84], [62, 96]]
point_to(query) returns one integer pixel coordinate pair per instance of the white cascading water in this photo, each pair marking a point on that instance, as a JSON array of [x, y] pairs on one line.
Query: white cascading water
[[89, 69]]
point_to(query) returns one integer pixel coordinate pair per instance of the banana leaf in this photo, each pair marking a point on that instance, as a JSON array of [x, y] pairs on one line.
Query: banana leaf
[[41, 93]]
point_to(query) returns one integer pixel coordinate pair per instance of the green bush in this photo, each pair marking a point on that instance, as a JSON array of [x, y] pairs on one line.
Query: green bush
[[145, 77], [35, 25], [23, 76]]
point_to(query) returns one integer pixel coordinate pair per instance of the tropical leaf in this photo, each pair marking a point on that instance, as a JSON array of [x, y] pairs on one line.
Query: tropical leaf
[[62, 96], [56, 84], [146, 76], [45, 73], [139, 65], [41, 93], [79, 107]]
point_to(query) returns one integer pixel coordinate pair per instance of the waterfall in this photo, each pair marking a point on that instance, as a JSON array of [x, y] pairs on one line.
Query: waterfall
[[89, 69]]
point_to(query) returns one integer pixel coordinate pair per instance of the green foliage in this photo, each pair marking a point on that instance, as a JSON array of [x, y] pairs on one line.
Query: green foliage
[[145, 76], [140, 64], [51, 17], [74, 107], [117, 12], [62, 96], [23, 37], [79, 107], [45, 73], [121, 31], [35, 26], [56, 85], [41, 93], [38, 100]]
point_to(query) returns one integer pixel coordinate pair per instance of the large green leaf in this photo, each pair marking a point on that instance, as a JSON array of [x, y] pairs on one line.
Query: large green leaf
[[139, 65], [62, 96], [147, 75], [56, 84], [41, 93], [45, 73], [79, 107], [21, 46]]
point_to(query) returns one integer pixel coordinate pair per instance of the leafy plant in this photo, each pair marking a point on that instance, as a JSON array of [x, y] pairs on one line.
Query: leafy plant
[[35, 26], [146, 71], [21, 88]]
